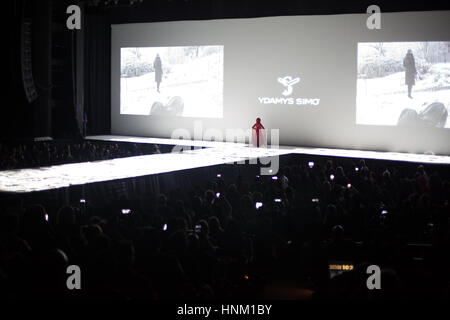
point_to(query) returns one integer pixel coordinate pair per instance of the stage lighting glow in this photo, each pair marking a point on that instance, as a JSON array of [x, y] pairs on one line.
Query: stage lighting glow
[[66, 175], [62, 176], [167, 75]]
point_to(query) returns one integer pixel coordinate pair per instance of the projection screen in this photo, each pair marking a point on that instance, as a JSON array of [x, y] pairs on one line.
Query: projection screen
[[322, 81]]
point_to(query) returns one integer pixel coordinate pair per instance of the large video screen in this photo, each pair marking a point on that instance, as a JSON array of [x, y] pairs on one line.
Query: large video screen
[[403, 83], [172, 81], [317, 81]]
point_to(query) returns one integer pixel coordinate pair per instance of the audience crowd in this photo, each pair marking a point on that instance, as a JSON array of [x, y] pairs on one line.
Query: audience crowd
[[29, 155], [237, 237]]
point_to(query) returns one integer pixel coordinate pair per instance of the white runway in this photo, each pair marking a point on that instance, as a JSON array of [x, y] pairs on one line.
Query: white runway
[[396, 156], [46, 178]]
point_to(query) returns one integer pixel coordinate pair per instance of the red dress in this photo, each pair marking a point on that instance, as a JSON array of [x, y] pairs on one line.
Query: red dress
[[259, 134]]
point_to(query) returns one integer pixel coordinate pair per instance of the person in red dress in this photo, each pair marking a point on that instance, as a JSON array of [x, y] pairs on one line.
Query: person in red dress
[[257, 127]]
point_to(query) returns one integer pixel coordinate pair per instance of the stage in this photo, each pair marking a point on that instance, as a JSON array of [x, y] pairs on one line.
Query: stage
[[188, 155]]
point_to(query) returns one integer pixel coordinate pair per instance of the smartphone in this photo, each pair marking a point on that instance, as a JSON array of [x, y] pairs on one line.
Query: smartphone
[[219, 175], [315, 200], [217, 194], [331, 177], [311, 164], [198, 228], [164, 227], [277, 200], [336, 268], [349, 185], [126, 211], [82, 200], [356, 169], [384, 212], [274, 178], [46, 217], [258, 205]]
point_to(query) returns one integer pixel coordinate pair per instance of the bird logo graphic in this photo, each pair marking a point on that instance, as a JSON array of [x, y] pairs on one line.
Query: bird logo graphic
[[288, 82]]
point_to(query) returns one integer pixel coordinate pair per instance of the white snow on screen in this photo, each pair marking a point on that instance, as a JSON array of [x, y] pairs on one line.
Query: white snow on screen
[[381, 90], [193, 73]]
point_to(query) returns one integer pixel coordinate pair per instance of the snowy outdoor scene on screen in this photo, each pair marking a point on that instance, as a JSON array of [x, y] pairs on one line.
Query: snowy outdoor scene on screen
[[172, 81], [404, 84]]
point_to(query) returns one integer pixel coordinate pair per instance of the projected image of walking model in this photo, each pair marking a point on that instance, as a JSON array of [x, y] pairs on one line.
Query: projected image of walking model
[[172, 81], [404, 84]]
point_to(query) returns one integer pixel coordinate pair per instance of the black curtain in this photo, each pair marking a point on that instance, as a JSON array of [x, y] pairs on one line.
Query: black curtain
[[42, 62], [20, 118], [16, 119], [97, 75]]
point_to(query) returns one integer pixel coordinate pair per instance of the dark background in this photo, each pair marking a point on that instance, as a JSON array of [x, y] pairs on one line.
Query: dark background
[[71, 69]]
